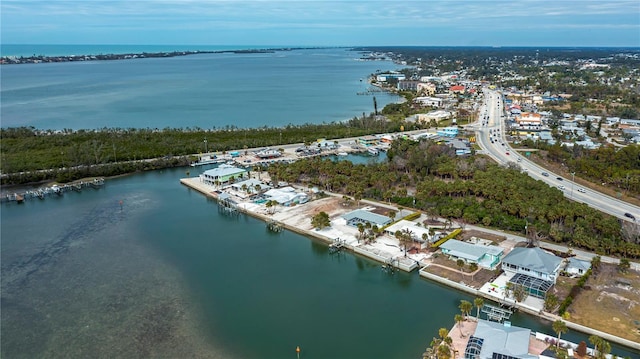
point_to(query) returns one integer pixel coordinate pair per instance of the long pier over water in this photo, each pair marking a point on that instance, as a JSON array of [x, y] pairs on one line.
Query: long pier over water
[[55, 190]]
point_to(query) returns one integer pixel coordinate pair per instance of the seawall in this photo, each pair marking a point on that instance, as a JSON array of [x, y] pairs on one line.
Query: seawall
[[195, 184]]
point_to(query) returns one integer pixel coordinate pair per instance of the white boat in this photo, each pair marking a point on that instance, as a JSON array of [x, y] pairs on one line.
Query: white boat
[[342, 154], [373, 151]]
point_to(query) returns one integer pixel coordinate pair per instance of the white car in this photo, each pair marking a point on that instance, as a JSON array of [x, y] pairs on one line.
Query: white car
[[581, 190], [561, 187]]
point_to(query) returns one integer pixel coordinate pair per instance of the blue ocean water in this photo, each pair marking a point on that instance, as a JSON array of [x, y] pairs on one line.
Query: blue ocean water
[[205, 90]]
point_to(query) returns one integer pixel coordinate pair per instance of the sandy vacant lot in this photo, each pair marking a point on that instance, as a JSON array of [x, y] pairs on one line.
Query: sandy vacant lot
[[609, 304]]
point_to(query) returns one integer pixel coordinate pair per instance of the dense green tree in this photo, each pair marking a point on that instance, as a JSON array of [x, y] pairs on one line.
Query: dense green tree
[[320, 220]]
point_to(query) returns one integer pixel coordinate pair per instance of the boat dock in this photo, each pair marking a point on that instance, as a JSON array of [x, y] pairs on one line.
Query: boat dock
[[55, 190]]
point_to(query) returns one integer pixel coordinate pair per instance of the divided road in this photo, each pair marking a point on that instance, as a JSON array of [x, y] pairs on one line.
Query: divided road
[[490, 137]]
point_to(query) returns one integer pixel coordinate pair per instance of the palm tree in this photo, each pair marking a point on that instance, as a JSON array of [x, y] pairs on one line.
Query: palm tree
[[478, 302], [600, 346], [596, 341], [361, 230], [559, 327], [465, 307], [459, 319]]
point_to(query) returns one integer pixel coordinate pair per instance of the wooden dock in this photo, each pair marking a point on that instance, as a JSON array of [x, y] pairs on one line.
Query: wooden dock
[[58, 190]]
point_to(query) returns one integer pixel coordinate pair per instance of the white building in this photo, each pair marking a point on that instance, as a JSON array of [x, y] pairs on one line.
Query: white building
[[533, 268], [286, 196]]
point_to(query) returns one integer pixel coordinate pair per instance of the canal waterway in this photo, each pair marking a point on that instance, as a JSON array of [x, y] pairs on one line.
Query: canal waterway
[[147, 267]]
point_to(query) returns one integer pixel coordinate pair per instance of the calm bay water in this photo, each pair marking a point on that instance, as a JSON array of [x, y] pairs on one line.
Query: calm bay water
[[145, 267], [166, 275], [206, 91]]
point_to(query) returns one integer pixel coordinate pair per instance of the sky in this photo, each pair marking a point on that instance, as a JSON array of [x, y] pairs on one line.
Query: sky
[[323, 23]]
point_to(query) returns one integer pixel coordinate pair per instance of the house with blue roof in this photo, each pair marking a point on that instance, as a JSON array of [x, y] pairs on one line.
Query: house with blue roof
[[533, 268], [493, 340], [364, 216]]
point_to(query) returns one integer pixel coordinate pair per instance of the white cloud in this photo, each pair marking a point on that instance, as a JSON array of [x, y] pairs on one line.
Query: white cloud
[[313, 15]]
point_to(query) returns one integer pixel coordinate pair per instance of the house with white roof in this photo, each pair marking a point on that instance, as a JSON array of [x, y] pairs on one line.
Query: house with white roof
[[250, 186], [222, 174], [533, 268], [437, 115], [493, 340], [429, 101], [418, 233], [486, 256], [286, 196]]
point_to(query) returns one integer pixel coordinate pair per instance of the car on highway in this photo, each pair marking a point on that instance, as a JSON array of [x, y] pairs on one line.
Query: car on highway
[[545, 174], [581, 190], [629, 215], [561, 187], [559, 178], [507, 153]]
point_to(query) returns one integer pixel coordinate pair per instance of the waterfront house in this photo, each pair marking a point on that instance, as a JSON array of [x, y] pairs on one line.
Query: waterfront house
[[250, 186], [533, 268], [222, 174], [364, 216], [486, 256], [493, 340], [286, 196], [418, 233]]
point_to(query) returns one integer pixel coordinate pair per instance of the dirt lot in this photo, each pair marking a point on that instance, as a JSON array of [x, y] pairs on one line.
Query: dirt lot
[[467, 234], [447, 268], [612, 304]]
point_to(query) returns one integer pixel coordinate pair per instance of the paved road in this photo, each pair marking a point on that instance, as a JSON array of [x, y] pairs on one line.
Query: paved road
[[490, 137]]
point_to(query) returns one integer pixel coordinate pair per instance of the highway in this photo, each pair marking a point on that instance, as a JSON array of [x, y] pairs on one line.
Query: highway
[[490, 136]]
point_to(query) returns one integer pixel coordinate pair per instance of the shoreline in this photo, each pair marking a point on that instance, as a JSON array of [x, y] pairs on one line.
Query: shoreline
[[37, 59], [208, 191]]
